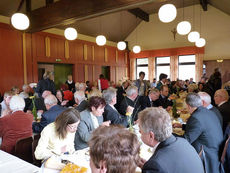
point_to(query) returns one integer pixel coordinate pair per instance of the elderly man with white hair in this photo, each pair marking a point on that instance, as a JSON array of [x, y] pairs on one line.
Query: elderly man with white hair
[[80, 99], [206, 100], [16, 125], [171, 154], [53, 110], [110, 112], [202, 131], [131, 99], [221, 98]]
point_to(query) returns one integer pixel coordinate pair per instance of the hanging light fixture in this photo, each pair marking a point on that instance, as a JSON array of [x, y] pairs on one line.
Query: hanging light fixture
[[194, 35], [100, 40], [183, 27], [136, 49], [167, 13], [200, 43], [121, 45], [70, 33], [20, 21]]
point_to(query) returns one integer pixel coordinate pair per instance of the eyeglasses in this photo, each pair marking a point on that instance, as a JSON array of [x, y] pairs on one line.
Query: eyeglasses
[[72, 127]]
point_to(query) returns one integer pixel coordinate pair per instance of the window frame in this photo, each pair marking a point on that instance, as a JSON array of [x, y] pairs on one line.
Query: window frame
[[162, 64], [141, 65], [185, 63]]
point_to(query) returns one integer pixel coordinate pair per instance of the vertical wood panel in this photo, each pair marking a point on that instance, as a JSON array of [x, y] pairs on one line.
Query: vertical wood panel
[[39, 45], [47, 46], [66, 49], [11, 61], [106, 54], [90, 72], [24, 57], [111, 55], [116, 56], [85, 52], [86, 73], [80, 73], [99, 54]]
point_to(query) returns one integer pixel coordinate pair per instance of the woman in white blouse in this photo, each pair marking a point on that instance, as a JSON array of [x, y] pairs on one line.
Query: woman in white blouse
[[58, 137], [90, 120]]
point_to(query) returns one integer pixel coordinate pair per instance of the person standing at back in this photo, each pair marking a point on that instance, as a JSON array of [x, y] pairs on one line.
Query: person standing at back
[[162, 80], [46, 84]]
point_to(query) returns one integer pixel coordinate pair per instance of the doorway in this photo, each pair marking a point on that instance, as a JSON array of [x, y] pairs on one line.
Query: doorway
[[60, 71], [105, 70]]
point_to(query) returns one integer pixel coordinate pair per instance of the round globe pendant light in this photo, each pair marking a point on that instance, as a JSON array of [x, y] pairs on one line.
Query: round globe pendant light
[[167, 13], [136, 49], [193, 36], [200, 42], [183, 28], [100, 40], [20, 21], [121, 45], [70, 33]]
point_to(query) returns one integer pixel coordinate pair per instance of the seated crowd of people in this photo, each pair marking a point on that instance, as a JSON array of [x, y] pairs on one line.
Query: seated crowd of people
[[96, 115]]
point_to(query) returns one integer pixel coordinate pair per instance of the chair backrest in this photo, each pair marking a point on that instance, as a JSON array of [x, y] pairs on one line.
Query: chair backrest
[[34, 145], [23, 149]]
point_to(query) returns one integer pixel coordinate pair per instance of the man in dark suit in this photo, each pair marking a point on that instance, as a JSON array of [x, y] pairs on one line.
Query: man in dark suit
[[221, 98], [164, 100], [202, 129], [151, 100], [131, 100], [80, 99], [110, 112], [49, 116], [120, 93], [171, 154], [206, 101]]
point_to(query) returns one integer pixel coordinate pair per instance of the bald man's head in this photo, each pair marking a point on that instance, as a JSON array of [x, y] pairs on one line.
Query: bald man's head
[[221, 95]]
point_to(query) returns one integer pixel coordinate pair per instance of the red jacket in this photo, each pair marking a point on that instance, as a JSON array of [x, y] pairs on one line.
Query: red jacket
[[13, 127], [104, 84]]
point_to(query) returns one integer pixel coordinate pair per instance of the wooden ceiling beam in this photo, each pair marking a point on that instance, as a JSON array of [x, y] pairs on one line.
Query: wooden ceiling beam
[[204, 4], [65, 12], [140, 13]]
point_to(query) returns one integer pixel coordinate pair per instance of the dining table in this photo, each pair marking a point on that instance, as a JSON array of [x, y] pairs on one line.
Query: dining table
[[10, 163], [82, 158]]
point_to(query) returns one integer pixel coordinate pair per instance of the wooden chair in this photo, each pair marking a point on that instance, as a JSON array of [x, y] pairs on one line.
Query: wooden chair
[[23, 149], [34, 145]]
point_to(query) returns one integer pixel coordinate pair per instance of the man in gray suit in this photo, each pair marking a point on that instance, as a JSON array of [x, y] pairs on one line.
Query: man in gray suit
[[202, 130], [172, 154]]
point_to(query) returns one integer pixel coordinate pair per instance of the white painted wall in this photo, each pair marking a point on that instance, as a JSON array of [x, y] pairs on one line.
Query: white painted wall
[[215, 28]]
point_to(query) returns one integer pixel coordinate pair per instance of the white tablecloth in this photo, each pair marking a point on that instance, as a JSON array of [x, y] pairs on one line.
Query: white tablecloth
[[10, 163]]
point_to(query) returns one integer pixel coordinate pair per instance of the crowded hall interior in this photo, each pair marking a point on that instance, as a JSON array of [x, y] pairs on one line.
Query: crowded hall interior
[[115, 86]]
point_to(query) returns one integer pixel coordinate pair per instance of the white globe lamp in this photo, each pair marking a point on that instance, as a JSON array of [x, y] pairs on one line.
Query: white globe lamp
[[100, 40], [193, 36], [183, 28], [20, 21], [136, 49], [121, 45], [70, 33], [200, 42], [167, 13]]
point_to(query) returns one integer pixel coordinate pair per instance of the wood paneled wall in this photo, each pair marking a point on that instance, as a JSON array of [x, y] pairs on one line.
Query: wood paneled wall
[[87, 58]]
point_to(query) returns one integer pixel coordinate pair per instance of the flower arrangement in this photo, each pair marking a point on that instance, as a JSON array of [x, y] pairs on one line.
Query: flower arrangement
[[34, 109], [129, 115], [72, 168]]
